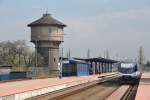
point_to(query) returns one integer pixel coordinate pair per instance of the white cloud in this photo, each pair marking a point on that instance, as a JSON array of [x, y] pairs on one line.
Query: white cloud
[[113, 31], [132, 13]]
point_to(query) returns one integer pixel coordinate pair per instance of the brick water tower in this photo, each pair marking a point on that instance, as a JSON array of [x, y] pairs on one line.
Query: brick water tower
[[47, 34]]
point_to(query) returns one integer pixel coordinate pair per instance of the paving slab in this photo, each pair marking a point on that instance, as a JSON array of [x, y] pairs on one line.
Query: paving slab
[[143, 92], [30, 85]]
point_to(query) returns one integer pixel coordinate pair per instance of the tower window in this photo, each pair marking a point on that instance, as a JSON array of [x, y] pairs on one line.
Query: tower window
[[54, 59]]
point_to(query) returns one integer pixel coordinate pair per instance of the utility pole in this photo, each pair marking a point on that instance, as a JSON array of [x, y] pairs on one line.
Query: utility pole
[[88, 53], [61, 61], [36, 53], [68, 53], [141, 57], [107, 54], [104, 54], [19, 59]]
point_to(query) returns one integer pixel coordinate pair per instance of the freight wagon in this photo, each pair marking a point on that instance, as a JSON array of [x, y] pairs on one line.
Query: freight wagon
[[75, 68]]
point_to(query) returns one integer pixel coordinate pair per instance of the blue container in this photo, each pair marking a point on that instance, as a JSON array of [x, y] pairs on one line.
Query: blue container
[[18, 75], [75, 68], [83, 69], [5, 77]]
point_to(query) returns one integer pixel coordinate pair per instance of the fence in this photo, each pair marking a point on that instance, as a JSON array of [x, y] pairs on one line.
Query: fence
[[147, 68], [34, 72]]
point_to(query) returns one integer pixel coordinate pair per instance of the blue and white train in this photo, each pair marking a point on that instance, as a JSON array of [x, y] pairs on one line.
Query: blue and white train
[[128, 72]]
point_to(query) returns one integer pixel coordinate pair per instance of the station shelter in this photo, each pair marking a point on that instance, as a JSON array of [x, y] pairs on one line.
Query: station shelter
[[100, 65]]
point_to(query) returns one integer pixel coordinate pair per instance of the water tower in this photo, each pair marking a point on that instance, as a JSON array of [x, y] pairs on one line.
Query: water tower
[[47, 34]]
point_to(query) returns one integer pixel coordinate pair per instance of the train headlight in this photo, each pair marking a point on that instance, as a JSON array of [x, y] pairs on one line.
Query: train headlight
[[135, 74]]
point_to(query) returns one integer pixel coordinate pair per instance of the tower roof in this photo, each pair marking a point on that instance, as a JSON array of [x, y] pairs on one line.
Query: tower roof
[[47, 19]]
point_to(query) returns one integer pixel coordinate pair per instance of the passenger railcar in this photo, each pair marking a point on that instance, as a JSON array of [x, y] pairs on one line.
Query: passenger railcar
[[128, 72], [75, 68]]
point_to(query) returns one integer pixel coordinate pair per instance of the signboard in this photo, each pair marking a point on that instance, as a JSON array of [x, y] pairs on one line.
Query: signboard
[[66, 61]]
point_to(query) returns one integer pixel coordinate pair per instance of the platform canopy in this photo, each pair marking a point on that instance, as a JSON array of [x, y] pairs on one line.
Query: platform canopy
[[98, 59]]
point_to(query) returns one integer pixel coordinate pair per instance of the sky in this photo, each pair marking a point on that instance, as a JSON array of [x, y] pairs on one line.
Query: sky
[[117, 26]]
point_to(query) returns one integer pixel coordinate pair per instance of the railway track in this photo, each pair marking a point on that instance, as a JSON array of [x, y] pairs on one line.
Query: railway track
[[130, 93], [73, 90], [92, 91], [98, 92], [107, 90], [124, 92]]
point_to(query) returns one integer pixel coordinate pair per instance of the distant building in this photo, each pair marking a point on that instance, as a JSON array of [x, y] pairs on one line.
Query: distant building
[[47, 34]]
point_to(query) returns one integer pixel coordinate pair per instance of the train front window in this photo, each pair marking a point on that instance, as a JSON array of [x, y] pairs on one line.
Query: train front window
[[126, 70]]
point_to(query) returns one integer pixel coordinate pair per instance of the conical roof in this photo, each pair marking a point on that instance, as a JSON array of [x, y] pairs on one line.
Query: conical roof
[[47, 19]]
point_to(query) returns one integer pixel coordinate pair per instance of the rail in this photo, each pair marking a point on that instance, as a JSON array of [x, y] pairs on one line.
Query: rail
[[71, 90], [124, 92], [130, 93]]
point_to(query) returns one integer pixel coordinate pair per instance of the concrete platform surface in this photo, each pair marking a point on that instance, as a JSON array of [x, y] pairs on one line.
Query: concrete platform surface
[[143, 92], [10, 88], [145, 75]]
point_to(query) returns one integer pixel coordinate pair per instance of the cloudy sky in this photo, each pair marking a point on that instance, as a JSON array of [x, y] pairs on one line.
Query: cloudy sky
[[119, 26]]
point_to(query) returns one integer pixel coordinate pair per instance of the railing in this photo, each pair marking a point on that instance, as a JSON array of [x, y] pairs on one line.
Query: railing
[[34, 72], [147, 68]]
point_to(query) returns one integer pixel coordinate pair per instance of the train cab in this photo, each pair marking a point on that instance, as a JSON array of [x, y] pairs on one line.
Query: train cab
[[128, 72]]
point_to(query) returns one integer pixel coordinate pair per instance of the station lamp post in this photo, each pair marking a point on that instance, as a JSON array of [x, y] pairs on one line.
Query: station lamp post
[[61, 59]]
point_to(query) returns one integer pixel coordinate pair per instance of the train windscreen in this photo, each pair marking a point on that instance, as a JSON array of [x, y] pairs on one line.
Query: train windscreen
[[126, 70]]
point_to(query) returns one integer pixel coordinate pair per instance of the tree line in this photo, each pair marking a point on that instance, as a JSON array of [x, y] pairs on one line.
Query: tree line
[[16, 53]]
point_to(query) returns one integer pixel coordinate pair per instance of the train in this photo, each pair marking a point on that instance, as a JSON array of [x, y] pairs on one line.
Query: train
[[128, 72]]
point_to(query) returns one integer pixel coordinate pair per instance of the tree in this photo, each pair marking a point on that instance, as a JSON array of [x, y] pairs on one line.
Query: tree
[[16, 53]]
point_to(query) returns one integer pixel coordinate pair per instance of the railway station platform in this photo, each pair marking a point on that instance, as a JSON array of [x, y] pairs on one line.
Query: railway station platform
[[19, 90], [144, 87]]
